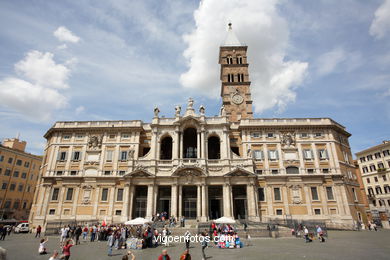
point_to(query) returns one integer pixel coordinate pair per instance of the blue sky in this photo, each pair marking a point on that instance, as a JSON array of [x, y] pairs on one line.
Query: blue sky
[[110, 60]]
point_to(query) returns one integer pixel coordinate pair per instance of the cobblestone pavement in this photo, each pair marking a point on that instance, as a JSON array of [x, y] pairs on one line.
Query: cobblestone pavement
[[340, 245]]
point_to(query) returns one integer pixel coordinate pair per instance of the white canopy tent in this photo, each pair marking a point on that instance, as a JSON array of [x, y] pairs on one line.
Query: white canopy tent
[[225, 220], [137, 221]]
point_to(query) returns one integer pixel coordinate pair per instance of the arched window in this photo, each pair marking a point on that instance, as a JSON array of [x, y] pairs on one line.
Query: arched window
[[189, 143], [166, 148], [229, 60], [214, 148], [292, 170], [239, 60]]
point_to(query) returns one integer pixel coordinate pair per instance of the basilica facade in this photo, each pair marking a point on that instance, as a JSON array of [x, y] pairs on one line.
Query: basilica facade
[[200, 167]]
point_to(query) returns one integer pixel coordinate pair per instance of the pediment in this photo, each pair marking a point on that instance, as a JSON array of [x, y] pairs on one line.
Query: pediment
[[238, 171], [189, 120], [139, 172], [188, 171]]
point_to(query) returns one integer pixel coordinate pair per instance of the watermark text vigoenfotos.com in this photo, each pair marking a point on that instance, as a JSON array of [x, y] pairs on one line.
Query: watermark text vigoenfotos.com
[[193, 239]]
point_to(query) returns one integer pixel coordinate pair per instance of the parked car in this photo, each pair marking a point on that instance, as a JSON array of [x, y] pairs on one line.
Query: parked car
[[22, 228]]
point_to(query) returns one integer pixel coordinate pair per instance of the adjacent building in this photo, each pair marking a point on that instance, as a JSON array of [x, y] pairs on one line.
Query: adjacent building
[[374, 164], [19, 172], [201, 167]]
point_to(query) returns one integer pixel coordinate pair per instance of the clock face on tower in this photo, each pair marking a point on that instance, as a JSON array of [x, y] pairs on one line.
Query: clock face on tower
[[237, 99]]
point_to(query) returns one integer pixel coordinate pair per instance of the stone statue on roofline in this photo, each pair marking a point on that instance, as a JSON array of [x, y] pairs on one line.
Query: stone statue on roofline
[[202, 110], [177, 110], [156, 111]]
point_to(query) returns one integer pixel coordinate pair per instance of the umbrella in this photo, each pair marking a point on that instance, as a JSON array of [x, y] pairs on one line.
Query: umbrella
[[137, 221], [225, 220]]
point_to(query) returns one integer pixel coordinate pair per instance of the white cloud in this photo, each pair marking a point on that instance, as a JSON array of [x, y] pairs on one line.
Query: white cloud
[[42, 70], [259, 26], [33, 101], [65, 35], [37, 95], [327, 62], [79, 110], [380, 26], [62, 46]]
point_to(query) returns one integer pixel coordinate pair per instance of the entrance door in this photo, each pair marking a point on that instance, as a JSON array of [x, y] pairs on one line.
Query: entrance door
[[190, 208], [215, 208], [163, 206], [240, 208]]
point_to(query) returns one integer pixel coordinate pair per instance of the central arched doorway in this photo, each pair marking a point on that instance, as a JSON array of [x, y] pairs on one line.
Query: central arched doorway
[[190, 143], [166, 148]]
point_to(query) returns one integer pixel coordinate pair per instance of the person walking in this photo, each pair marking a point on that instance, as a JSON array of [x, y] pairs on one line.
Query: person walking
[[42, 246], [64, 234], [187, 236], [320, 234], [38, 232], [3, 232], [66, 248], [93, 233], [374, 226], [78, 234], [306, 232], [110, 243], [164, 255], [204, 246], [186, 255], [85, 233]]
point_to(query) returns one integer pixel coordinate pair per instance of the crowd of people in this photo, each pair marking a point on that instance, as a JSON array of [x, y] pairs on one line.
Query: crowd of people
[[227, 236]]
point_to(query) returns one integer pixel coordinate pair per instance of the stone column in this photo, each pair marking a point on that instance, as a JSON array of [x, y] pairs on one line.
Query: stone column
[[251, 201], [149, 205], [111, 200], [125, 206], [227, 205], [181, 146], [324, 200], [301, 161], [198, 203], [339, 199], [203, 143], [96, 201], [266, 161], [180, 201], [269, 200], [285, 201], [198, 148], [204, 202], [175, 146], [307, 192], [345, 199], [330, 157], [75, 201], [315, 154], [44, 196], [335, 158], [174, 200], [155, 195], [280, 153], [131, 202], [60, 200]]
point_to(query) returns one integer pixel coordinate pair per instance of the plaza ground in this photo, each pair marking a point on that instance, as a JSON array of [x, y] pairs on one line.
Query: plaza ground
[[340, 245]]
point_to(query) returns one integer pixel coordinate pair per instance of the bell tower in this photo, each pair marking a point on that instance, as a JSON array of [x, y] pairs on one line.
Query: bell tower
[[235, 88]]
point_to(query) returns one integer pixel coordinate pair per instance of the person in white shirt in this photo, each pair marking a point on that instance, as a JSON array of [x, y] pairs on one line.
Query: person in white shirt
[[42, 246], [54, 256], [64, 234]]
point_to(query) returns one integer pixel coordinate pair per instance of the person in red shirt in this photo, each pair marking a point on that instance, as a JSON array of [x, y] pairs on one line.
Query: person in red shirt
[[66, 249], [164, 255], [39, 229]]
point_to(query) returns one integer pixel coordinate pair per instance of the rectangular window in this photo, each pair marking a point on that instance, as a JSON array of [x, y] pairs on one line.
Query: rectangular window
[[4, 186], [24, 175], [16, 205], [369, 157], [54, 195], [325, 170], [123, 155], [323, 154], [73, 172], [310, 171], [69, 194], [274, 171], [329, 193], [118, 212], [318, 134], [386, 153], [62, 156], [121, 173], [279, 212], [76, 156], [126, 136], [7, 172], [307, 154], [304, 135], [377, 155], [52, 211], [58, 173], [79, 136], [384, 177], [261, 194], [19, 162], [277, 194], [107, 172], [259, 172], [66, 137], [24, 205], [16, 174], [365, 169], [7, 204], [354, 194], [104, 194], [258, 155], [273, 155], [111, 136], [1, 170], [10, 160], [255, 135], [109, 155], [376, 179], [20, 187], [12, 186], [317, 211], [362, 159], [314, 193], [270, 135], [119, 195], [372, 168], [380, 166], [1, 158]]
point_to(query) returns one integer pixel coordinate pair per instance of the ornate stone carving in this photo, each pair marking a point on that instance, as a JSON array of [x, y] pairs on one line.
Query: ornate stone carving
[[296, 194], [95, 142], [177, 110], [287, 139], [190, 103]]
